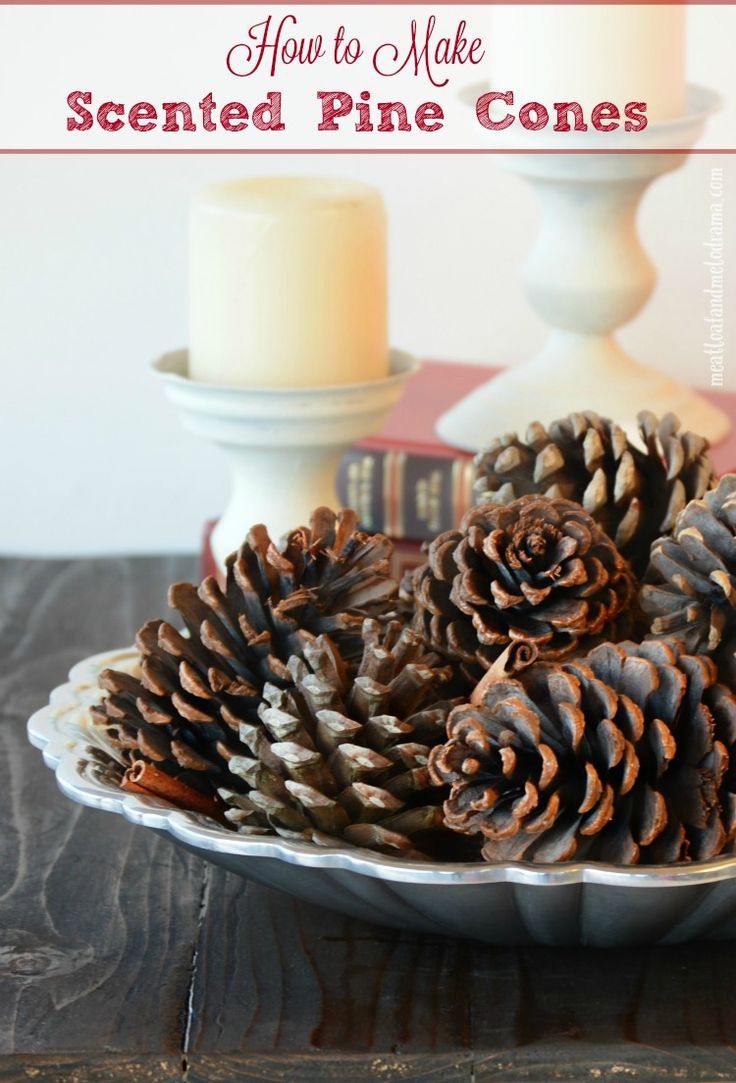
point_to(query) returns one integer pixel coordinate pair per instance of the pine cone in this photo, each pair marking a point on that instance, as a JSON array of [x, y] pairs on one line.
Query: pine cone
[[325, 579], [691, 582], [183, 711], [538, 570], [634, 494], [625, 756], [343, 757]]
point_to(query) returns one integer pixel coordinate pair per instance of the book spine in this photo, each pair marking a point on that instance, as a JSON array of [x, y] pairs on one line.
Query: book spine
[[405, 495]]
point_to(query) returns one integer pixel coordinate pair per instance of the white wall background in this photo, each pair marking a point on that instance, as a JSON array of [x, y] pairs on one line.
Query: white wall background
[[93, 286]]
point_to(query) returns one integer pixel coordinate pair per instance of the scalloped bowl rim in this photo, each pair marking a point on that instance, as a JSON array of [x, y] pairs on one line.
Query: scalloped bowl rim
[[64, 745]]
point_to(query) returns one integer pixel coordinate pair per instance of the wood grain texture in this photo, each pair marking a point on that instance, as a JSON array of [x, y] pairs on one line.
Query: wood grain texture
[[85, 1068], [98, 918], [336, 1068], [296, 980], [123, 958]]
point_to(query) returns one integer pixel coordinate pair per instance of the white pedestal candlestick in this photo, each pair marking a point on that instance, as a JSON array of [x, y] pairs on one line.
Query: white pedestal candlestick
[[283, 444], [288, 283], [587, 275]]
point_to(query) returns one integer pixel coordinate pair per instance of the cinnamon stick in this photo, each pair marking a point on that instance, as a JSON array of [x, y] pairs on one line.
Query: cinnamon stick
[[144, 778]]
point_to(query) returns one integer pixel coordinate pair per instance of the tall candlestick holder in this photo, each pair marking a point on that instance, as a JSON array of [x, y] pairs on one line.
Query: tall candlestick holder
[[587, 275], [283, 444]]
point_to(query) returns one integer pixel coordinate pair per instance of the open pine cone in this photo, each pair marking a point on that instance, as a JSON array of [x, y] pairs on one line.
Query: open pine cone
[[625, 756], [183, 712], [634, 494], [537, 570], [337, 756], [324, 578], [691, 583]]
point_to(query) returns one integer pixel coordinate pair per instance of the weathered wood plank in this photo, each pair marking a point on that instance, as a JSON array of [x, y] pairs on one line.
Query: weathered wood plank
[[577, 1062], [277, 975], [90, 1068], [278, 980], [543, 1066], [98, 918], [338, 1068], [638, 999]]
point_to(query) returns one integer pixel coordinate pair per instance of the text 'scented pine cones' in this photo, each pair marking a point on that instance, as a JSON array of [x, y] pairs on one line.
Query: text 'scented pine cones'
[[634, 492], [624, 756], [691, 583], [537, 570], [342, 755], [183, 711]]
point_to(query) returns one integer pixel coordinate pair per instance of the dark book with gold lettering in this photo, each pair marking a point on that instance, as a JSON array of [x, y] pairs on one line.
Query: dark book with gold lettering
[[405, 482]]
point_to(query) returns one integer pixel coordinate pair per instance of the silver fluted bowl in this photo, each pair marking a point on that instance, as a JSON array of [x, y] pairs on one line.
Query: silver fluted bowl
[[511, 903]]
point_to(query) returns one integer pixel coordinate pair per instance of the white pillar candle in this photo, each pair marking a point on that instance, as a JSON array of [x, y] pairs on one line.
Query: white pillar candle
[[591, 53], [288, 283]]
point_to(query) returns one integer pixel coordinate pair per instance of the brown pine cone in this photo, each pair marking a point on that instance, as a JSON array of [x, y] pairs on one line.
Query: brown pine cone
[[690, 589], [339, 757], [625, 756], [183, 709], [538, 570], [633, 493], [325, 578]]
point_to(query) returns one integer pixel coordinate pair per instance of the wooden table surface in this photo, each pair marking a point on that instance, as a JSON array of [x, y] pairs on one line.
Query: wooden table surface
[[122, 958]]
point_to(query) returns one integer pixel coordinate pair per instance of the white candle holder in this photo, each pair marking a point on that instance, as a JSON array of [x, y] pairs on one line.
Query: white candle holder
[[284, 445], [586, 276]]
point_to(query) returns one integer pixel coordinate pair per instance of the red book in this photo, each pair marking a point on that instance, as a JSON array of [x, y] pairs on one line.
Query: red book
[[405, 482]]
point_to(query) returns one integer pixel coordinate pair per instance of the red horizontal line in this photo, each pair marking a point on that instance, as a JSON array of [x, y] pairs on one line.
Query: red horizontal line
[[356, 150]]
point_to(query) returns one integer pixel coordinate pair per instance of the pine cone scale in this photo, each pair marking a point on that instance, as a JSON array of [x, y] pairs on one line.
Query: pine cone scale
[[354, 756]]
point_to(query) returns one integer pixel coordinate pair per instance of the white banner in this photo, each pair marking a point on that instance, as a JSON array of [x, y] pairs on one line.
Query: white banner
[[321, 78]]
